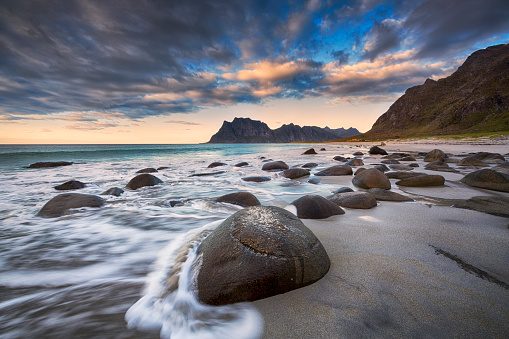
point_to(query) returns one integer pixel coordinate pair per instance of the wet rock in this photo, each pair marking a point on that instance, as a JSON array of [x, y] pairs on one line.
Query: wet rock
[[241, 164], [504, 168], [61, 204], [275, 165], [256, 179], [216, 164], [162, 168], [340, 158], [435, 155], [472, 161], [115, 191], [47, 164], [336, 171], [359, 200], [382, 168], [490, 158], [371, 178], [244, 199], [70, 185], [440, 166], [343, 190], [294, 173], [147, 170], [385, 195], [358, 153], [206, 174], [377, 150], [316, 207], [389, 161], [488, 204], [256, 253], [413, 165], [489, 179], [359, 170], [143, 180], [403, 175], [310, 151], [314, 181], [401, 167], [408, 158], [422, 181], [322, 149], [355, 162], [310, 165], [174, 203]]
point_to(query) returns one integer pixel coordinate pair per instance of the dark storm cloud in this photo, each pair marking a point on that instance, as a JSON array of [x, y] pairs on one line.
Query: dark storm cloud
[[340, 56]]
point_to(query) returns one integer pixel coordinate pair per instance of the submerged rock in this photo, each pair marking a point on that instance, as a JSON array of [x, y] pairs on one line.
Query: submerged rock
[[241, 164], [47, 164], [256, 253], [61, 204], [70, 185], [489, 179], [256, 179], [343, 190], [360, 200], [336, 171], [244, 199], [294, 173], [275, 165], [316, 207], [143, 180], [310, 165], [371, 178], [314, 181], [115, 191], [206, 174]]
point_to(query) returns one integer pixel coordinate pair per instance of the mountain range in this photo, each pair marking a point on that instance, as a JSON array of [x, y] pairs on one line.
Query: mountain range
[[245, 130]]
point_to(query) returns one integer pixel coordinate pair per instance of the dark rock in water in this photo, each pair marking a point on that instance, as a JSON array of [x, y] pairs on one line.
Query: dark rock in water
[[266, 160], [343, 190], [451, 160], [488, 157], [47, 164], [115, 191], [403, 175], [70, 185], [390, 161], [336, 171], [408, 158], [241, 164], [339, 158], [322, 149], [489, 179], [359, 170], [472, 161], [316, 207], [147, 170], [295, 173], [488, 204], [359, 200], [310, 151], [162, 168], [216, 164], [275, 165], [371, 178], [358, 153], [435, 155], [143, 180], [256, 253], [382, 168], [355, 162], [440, 166], [401, 167], [243, 199], [256, 179], [413, 165], [385, 195], [61, 204], [377, 150], [310, 165], [504, 167], [422, 181], [206, 174], [174, 203], [314, 181]]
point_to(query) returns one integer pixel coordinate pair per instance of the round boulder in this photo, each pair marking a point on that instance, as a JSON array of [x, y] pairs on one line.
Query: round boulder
[[143, 180], [256, 253], [316, 207], [336, 171], [275, 165], [294, 173], [310, 151], [339, 158], [256, 179], [422, 181], [358, 153], [243, 199], [489, 179], [371, 178], [61, 204], [70, 185], [216, 164], [377, 150], [355, 162], [472, 161], [385, 195], [360, 200], [435, 155], [310, 165], [147, 170]]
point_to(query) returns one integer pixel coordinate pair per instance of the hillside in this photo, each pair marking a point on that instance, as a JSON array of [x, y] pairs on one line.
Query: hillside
[[473, 99]]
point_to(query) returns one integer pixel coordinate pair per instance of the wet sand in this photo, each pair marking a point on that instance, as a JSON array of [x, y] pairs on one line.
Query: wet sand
[[405, 270]]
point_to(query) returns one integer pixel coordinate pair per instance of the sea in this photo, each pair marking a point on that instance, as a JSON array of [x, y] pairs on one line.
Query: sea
[[101, 272]]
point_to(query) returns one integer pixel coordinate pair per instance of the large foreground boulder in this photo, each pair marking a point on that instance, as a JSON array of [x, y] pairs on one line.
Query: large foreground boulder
[[70, 185], [61, 204], [244, 199], [256, 253], [362, 200], [487, 178], [371, 178], [143, 180], [316, 207], [47, 164], [275, 165], [336, 171]]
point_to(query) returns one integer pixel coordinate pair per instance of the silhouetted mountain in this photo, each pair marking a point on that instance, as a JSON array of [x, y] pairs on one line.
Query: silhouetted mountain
[[245, 130], [343, 133]]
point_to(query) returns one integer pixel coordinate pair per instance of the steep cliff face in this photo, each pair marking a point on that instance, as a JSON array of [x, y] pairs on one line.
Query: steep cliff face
[[245, 130], [475, 98]]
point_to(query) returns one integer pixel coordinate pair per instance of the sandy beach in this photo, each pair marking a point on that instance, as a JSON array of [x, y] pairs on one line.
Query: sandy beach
[[405, 270]]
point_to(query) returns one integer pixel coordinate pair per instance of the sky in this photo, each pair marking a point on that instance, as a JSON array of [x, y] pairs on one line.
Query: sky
[[143, 71]]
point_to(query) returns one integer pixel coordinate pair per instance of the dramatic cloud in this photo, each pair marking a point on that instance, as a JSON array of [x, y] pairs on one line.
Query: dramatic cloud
[[100, 62]]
